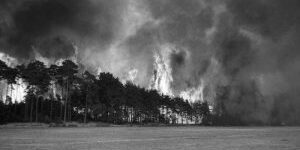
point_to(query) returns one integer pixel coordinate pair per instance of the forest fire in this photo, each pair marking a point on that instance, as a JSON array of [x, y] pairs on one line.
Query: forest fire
[[162, 75], [240, 57], [193, 94], [162, 78], [128, 64]]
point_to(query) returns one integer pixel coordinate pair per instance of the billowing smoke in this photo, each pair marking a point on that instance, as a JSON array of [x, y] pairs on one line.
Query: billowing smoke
[[52, 27], [242, 56]]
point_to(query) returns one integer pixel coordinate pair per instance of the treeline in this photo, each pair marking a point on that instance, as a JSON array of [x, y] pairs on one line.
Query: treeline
[[60, 93]]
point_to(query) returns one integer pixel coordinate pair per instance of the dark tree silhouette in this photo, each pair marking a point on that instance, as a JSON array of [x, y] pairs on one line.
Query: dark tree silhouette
[[38, 79], [68, 70], [3, 70], [89, 82], [111, 93], [87, 98]]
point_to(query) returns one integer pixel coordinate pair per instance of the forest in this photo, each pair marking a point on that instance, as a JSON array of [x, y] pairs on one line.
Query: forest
[[60, 94]]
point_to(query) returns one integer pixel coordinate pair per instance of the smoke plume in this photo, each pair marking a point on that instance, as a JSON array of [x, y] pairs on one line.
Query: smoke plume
[[242, 56]]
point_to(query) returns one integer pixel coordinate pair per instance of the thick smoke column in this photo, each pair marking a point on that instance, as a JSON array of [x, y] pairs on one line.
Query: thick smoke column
[[242, 56], [244, 53]]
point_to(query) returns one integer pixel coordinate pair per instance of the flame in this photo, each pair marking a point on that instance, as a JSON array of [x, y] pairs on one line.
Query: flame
[[162, 77], [132, 74], [193, 94], [10, 61], [99, 70], [17, 91]]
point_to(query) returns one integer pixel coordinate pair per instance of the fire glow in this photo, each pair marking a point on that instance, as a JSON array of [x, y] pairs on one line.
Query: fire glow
[[162, 76]]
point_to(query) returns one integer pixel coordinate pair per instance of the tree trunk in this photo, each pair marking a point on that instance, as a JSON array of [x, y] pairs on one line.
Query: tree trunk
[[51, 109], [182, 119], [6, 99], [26, 111], [61, 102], [70, 111], [85, 109], [15, 104], [126, 114], [66, 104], [31, 109], [61, 108], [11, 89], [2, 95], [36, 109], [130, 114], [42, 107], [51, 105], [186, 119]]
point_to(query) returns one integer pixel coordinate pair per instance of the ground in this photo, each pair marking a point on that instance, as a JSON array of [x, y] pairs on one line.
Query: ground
[[148, 138]]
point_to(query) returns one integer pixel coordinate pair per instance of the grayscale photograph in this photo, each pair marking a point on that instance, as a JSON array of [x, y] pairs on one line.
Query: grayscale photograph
[[149, 74]]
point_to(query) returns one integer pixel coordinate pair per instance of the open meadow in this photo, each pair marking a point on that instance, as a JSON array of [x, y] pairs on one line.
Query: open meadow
[[148, 138]]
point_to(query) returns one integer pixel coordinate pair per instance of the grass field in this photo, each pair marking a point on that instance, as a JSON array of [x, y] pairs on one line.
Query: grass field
[[148, 138]]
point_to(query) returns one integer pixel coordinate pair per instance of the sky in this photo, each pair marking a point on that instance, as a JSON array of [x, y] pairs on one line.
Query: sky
[[187, 48]]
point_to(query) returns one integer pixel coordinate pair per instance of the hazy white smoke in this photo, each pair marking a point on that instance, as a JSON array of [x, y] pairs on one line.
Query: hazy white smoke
[[132, 74]]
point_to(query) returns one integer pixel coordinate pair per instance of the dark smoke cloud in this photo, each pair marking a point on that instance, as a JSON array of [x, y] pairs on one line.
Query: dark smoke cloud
[[56, 47], [234, 49], [50, 27], [273, 56], [271, 18], [178, 59], [254, 43]]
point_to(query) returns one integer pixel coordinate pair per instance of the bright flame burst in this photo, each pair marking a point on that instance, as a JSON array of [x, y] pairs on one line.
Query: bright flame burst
[[161, 79], [193, 94], [162, 76], [15, 91]]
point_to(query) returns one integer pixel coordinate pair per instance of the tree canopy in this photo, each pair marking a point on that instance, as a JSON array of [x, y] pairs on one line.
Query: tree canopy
[[85, 97]]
